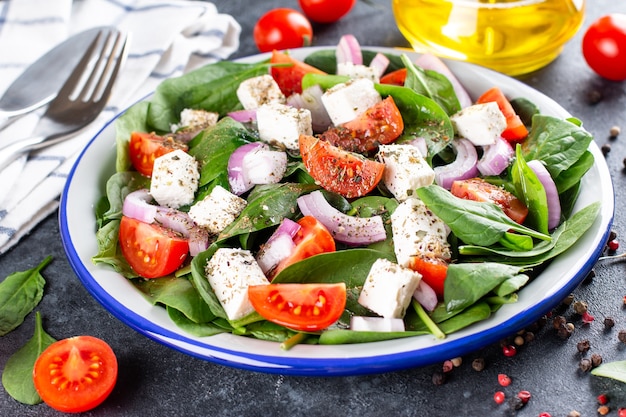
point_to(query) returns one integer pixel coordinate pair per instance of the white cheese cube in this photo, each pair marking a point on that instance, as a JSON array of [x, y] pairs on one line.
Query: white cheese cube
[[196, 119], [389, 288], [405, 170], [230, 272], [417, 230], [376, 324], [357, 71], [217, 210], [346, 101], [282, 125], [174, 179], [481, 124], [254, 92]]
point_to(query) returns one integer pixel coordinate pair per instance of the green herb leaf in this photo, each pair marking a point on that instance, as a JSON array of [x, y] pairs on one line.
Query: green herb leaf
[[615, 370], [20, 293], [17, 376]]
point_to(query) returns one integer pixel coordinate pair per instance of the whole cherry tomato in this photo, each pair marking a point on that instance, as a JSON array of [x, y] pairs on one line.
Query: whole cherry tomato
[[326, 11], [604, 46], [282, 28]]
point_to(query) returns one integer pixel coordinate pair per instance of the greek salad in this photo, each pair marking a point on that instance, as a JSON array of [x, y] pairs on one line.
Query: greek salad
[[352, 196]]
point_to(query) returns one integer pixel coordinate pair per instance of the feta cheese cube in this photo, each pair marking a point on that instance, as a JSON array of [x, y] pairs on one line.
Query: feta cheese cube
[[217, 210], [282, 125], [388, 289], [254, 92], [196, 119], [174, 179], [481, 124], [417, 230], [230, 272], [405, 170], [346, 101], [357, 71]]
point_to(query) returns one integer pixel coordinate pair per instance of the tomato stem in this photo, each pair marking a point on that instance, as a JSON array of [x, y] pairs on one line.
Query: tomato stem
[[293, 340], [430, 324]]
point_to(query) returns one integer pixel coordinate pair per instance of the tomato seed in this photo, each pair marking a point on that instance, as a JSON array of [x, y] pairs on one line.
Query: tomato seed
[[499, 397], [504, 380]]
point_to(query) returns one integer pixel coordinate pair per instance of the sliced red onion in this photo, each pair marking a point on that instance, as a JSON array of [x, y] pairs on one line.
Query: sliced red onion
[[552, 194], [379, 63], [344, 228], [137, 206], [431, 62], [237, 180], [278, 246], [349, 51], [311, 99], [243, 116], [376, 324], [463, 167], [264, 166], [496, 158], [426, 296], [420, 143]]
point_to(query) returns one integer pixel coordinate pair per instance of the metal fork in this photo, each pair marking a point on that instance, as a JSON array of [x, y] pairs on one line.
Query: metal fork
[[80, 100]]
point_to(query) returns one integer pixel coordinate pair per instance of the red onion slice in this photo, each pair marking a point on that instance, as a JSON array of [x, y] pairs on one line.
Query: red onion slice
[[237, 180], [426, 296], [431, 62], [463, 167], [278, 246], [552, 194], [379, 63], [243, 116], [349, 51], [496, 158], [347, 229], [311, 99], [137, 206]]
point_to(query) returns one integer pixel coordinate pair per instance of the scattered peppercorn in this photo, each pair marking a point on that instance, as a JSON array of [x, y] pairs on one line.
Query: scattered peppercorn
[[544, 414], [529, 337], [606, 148], [621, 336], [524, 396], [602, 399], [603, 410], [573, 413], [478, 364], [499, 397], [587, 318], [583, 346], [612, 235], [439, 378], [585, 365], [568, 300], [594, 96], [509, 350], [447, 366], [590, 276], [558, 322], [565, 331], [457, 361], [596, 360], [614, 131], [519, 340], [621, 412], [504, 380], [613, 245], [609, 323], [516, 403], [580, 307]]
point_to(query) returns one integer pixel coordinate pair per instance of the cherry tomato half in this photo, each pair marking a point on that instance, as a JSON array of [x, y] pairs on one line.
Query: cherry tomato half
[[282, 28], [604, 46], [477, 189], [75, 374], [303, 307], [433, 270], [151, 250], [313, 238], [339, 171], [289, 77], [515, 130], [326, 11], [144, 148]]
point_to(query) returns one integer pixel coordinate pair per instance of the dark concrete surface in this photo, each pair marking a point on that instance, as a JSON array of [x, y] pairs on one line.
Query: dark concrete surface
[[155, 380]]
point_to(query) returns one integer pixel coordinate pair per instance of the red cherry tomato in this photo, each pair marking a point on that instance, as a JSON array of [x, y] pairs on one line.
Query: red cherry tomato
[[304, 307], [151, 250], [604, 46], [75, 374], [339, 171], [477, 189], [282, 28], [432, 269], [289, 77], [326, 11], [515, 130], [144, 148]]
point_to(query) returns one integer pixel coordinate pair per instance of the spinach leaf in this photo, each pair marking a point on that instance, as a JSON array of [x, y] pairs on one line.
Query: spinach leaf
[[191, 327], [109, 252], [20, 293], [17, 376], [118, 187], [433, 85], [473, 222], [531, 191], [572, 175], [615, 370]]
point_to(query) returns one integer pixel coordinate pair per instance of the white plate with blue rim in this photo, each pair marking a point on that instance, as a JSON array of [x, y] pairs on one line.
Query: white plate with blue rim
[[96, 164]]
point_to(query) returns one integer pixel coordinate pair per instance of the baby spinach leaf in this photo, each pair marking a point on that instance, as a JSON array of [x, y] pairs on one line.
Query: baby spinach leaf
[[118, 187], [531, 191], [615, 370], [572, 175], [109, 251], [20, 293], [17, 376], [191, 327]]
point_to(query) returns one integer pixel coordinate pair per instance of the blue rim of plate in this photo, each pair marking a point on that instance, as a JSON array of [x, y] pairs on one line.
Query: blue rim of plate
[[342, 364]]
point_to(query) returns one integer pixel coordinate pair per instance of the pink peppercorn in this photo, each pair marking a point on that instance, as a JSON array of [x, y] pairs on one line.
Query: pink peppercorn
[[524, 396], [498, 397], [587, 318], [602, 399], [504, 380], [621, 412], [544, 414], [613, 245], [509, 350]]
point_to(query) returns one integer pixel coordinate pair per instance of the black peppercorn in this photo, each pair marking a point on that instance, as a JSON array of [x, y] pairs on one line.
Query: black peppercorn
[[585, 365], [478, 364], [609, 323], [583, 346], [596, 360], [439, 378], [606, 148], [622, 336], [558, 322]]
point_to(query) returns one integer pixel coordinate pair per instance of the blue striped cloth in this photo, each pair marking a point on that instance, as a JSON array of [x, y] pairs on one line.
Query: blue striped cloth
[[167, 39]]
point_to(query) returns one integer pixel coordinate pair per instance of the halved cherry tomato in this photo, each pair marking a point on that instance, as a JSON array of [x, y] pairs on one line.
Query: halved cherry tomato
[[380, 124], [515, 130], [289, 77], [144, 148], [313, 238], [397, 77], [151, 250], [282, 28], [432, 269], [303, 307], [326, 11], [339, 171], [75, 374], [478, 189]]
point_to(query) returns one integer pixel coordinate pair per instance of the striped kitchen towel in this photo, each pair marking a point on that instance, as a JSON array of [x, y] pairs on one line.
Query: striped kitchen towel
[[166, 38]]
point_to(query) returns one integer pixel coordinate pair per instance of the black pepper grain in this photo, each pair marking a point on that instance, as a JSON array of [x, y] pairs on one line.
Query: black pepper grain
[[580, 307], [516, 403], [609, 323], [585, 365], [583, 346], [558, 322], [439, 378], [594, 96], [564, 331], [614, 131], [621, 336], [478, 364], [596, 359], [606, 148]]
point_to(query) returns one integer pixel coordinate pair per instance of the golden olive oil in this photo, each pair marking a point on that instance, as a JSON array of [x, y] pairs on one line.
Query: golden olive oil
[[510, 36]]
